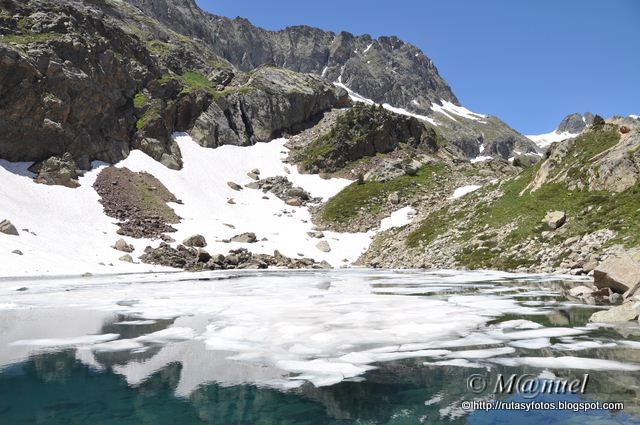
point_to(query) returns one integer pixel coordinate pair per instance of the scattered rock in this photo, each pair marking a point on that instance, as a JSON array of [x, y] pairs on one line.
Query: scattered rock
[[122, 245], [316, 234], [231, 226], [138, 201], [8, 229], [620, 271], [17, 251], [615, 298], [253, 176], [248, 237], [255, 171], [203, 256], [22, 289], [231, 201], [284, 190], [394, 198], [126, 258], [621, 313], [580, 291], [555, 219], [197, 241], [323, 246], [234, 186], [58, 171], [294, 202]]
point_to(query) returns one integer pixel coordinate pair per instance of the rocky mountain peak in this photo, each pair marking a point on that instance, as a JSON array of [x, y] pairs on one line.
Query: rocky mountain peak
[[575, 123]]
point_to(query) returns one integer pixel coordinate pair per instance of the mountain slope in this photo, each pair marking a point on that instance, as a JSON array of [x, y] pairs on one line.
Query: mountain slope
[[565, 214], [384, 70]]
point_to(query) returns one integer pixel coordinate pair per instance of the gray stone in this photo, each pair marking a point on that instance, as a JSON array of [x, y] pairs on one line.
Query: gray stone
[[197, 241], [555, 219], [122, 245], [615, 298], [234, 186], [323, 246], [294, 202], [8, 229], [394, 198], [203, 256], [126, 258], [248, 237], [620, 271], [316, 234], [621, 313], [17, 251], [580, 291]]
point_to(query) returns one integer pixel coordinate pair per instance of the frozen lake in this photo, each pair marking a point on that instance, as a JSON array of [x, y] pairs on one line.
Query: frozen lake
[[348, 346]]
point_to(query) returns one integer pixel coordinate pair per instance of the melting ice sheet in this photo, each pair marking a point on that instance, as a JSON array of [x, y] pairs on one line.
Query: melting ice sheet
[[277, 328]]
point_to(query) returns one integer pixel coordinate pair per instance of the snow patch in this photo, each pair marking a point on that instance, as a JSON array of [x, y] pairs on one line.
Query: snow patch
[[447, 109], [398, 218], [464, 190], [361, 99], [544, 140]]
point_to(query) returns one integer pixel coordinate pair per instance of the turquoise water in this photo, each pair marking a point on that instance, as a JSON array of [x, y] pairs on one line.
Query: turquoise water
[[46, 378], [57, 389]]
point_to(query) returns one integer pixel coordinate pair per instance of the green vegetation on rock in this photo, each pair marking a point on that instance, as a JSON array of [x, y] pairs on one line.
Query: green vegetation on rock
[[152, 112], [140, 100], [521, 212], [369, 197], [29, 38]]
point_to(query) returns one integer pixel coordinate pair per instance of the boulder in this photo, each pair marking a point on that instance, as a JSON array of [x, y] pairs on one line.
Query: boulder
[[394, 198], [58, 171], [555, 219], [294, 202], [580, 291], [248, 237], [234, 186], [621, 313], [203, 256], [620, 271], [197, 241], [323, 246], [122, 245], [126, 258], [8, 228]]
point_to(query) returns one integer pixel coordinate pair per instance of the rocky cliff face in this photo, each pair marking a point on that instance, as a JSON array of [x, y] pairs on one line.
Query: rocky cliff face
[[384, 70], [96, 79]]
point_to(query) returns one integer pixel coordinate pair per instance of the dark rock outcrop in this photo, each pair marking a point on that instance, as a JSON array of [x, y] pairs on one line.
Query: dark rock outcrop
[[385, 70], [193, 259], [365, 131], [58, 171], [8, 228], [93, 80], [575, 123]]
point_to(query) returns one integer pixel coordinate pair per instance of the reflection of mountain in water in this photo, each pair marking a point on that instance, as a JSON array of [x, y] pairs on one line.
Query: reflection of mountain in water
[[63, 391]]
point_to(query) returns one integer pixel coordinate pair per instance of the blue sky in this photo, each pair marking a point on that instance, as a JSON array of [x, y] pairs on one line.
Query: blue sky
[[528, 62]]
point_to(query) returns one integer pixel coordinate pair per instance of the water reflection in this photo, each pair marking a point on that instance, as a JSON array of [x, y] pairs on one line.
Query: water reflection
[[55, 388]]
